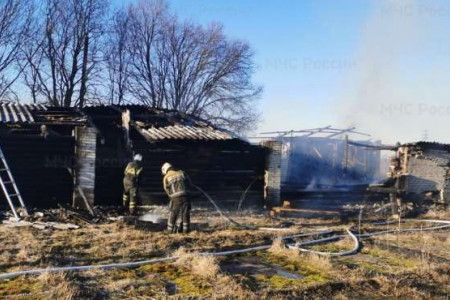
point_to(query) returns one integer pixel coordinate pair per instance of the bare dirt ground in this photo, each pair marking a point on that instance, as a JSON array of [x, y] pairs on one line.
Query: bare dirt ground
[[395, 266]]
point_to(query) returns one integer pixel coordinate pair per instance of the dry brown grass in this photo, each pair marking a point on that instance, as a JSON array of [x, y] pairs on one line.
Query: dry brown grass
[[226, 287], [392, 287], [30, 249], [437, 214], [201, 265], [6, 256], [278, 248], [320, 262], [58, 286], [120, 242]]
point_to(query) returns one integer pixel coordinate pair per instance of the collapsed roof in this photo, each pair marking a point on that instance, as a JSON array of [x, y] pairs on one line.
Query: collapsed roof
[[154, 124]]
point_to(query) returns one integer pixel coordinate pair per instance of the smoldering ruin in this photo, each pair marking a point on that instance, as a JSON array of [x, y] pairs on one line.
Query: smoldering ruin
[[66, 165], [146, 153]]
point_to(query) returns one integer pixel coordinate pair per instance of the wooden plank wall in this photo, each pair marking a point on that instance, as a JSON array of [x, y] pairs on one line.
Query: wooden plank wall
[[224, 169], [85, 163], [40, 167]]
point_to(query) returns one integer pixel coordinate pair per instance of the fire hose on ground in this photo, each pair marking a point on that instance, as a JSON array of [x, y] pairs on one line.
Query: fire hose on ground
[[298, 245]]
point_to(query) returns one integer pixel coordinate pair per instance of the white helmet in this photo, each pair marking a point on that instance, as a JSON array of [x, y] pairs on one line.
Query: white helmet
[[165, 167], [138, 157]]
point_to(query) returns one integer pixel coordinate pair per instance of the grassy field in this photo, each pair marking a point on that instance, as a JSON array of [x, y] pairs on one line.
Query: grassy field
[[395, 266]]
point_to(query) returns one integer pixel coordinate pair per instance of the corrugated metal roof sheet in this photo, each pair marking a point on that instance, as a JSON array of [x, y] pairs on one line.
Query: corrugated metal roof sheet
[[177, 126], [13, 113], [181, 132]]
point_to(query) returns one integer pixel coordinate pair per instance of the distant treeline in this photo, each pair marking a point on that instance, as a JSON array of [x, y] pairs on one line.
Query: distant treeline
[[79, 52]]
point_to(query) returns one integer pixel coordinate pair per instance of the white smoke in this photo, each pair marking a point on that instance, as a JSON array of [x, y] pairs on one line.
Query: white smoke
[[400, 88]]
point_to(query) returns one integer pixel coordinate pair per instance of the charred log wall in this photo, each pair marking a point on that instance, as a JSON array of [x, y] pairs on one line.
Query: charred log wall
[[85, 163], [315, 162], [222, 168], [40, 167]]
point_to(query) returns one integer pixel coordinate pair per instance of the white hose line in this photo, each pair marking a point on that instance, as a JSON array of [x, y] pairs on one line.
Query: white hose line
[[145, 262], [223, 253], [220, 211], [365, 235], [427, 220], [408, 229], [249, 227], [342, 253], [87, 268], [306, 234], [411, 221], [245, 194]]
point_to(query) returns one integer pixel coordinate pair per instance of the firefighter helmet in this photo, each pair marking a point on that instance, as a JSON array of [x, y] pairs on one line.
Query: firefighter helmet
[[138, 157], [165, 167]]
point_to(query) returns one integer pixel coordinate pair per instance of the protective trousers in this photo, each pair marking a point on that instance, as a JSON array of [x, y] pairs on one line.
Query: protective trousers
[[129, 197], [179, 217]]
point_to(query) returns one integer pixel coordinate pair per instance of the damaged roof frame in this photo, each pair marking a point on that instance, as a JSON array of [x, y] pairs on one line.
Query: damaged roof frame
[[153, 124]]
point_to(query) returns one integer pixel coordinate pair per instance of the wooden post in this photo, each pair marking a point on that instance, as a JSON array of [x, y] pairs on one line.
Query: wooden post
[[346, 153], [405, 160]]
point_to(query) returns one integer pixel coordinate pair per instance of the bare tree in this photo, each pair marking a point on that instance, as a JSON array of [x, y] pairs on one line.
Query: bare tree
[[210, 76], [186, 67], [148, 55], [15, 18], [64, 56], [118, 57], [149, 63]]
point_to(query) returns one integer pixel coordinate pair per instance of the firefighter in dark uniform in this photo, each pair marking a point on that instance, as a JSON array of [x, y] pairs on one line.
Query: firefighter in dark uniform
[[131, 183], [175, 184]]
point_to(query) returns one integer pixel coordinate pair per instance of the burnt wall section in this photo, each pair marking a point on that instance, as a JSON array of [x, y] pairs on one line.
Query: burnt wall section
[[424, 175], [224, 169], [272, 174], [40, 166], [85, 163], [426, 167], [315, 163]]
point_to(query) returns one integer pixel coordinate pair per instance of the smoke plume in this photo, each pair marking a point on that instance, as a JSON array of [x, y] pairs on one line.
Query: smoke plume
[[400, 87]]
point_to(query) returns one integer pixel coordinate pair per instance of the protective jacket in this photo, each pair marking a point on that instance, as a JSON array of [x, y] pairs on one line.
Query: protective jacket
[[132, 172], [175, 183]]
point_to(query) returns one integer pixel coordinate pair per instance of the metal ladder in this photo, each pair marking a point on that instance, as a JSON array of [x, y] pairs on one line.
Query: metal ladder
[[9, 187]]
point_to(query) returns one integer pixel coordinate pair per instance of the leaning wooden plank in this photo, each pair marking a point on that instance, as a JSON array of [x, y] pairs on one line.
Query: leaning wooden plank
[[86, 202]]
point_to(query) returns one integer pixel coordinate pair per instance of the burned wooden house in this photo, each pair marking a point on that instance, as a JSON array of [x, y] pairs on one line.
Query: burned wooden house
[[424, 169], [325, 158], [60, 155]]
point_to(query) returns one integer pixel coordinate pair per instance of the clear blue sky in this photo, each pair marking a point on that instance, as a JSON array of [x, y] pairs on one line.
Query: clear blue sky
[[375, 64]]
